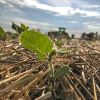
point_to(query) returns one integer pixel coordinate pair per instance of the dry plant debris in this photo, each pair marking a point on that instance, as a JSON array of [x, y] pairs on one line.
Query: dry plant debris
[[23, 77]]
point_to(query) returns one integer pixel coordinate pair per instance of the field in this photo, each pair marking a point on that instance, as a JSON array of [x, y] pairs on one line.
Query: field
[[24, 77]]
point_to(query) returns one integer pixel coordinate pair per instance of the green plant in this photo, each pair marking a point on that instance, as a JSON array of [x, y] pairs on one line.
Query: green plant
[[24, 27], [2, 34], [59, 43], [37, 42], [19, 29], [43, 46]]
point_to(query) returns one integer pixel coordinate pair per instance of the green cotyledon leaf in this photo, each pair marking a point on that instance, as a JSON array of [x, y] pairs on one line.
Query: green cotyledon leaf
[[36, 42], [61, 71]]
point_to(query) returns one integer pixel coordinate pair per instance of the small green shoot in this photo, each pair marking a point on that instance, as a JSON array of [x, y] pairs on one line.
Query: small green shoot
[[43, 46], [24, 27], [59, 43], [19, 29], [2, 33]]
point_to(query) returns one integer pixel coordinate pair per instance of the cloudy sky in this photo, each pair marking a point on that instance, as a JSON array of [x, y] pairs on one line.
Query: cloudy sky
[[76, 15]]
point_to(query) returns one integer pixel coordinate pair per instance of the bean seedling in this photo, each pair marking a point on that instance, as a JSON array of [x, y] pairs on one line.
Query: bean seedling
[[43, 47]]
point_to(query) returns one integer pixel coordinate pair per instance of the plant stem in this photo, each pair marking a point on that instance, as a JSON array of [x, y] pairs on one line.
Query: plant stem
[[52, 71], [50, 57]]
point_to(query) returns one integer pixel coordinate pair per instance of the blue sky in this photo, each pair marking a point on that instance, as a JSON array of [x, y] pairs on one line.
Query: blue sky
[[76, 15]]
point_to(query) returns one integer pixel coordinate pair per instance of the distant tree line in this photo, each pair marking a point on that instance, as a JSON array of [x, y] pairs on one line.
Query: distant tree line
[[90, 36]]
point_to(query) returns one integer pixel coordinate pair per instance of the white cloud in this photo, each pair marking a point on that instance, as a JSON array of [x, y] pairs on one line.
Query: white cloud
[[65, 2], [88, 13], [66, 11], [3, 1], [71, 11], [91, 6], [10, 6], [74, 22], [60, 10], [92, 26], [25, 21]]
